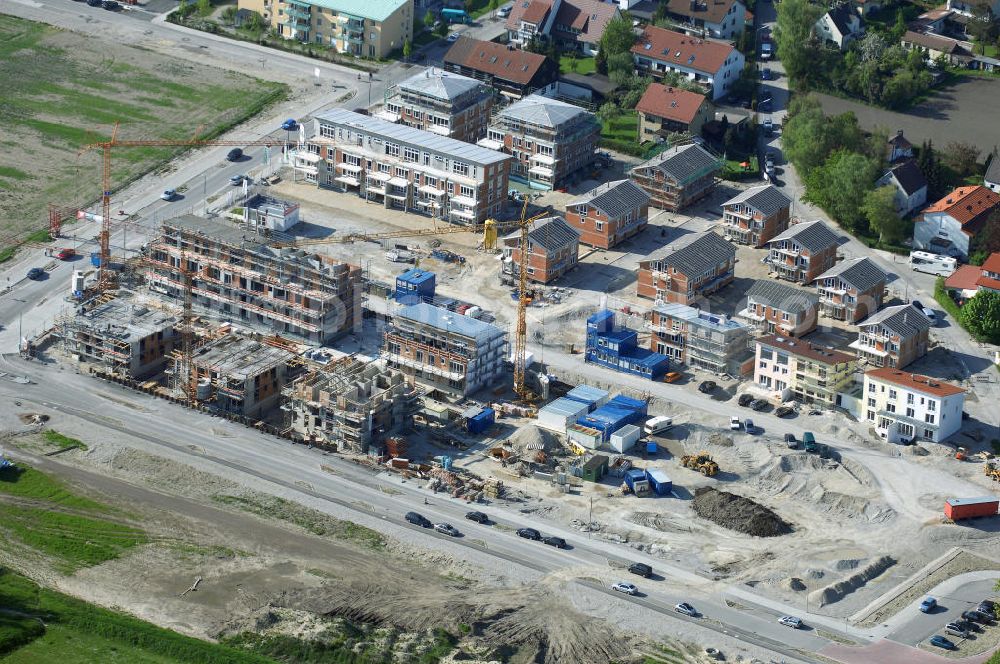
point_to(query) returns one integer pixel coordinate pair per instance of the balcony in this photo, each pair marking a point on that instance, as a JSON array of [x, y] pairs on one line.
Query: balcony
[[292, 11]]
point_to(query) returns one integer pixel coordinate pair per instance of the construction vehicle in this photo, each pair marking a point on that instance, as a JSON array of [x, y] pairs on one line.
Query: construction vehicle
[[961, 454], [702, 462], [992, 470]]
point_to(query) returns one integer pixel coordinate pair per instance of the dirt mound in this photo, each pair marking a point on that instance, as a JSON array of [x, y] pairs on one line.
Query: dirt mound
[[530, 437], [738, 513], [795, 584], [720, 439], [33, 418], [837, 591]]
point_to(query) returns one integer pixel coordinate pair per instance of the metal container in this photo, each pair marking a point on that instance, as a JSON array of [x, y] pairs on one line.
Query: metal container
[[625, 438], [592, 396], [559, 414], [659, 481], [969, 508]]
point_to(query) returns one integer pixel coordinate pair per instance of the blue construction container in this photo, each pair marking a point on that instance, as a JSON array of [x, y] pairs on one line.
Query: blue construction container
[[659, 482], [634, 475], [651, 448], [415, 283], [592, 396], [609, 419], [617, 347], [481, 422], [638, 405]]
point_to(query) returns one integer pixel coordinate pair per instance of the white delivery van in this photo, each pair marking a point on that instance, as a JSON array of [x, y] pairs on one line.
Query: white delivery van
[[659, 424]]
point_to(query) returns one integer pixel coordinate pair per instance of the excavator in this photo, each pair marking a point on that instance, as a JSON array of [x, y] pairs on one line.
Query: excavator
[[702, 462]]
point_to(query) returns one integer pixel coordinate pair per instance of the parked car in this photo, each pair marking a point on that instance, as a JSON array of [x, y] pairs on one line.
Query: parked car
[[234, 155], [237, 180], [503, 12], [672, 377], [642, 569], [928, 605], [35, 273], [418, 519], [768, 126], [290, 124], [941, 642], [749, 426], [759, 404], [686, 609], [627, 588], [478, 517], [658, 424], [453, 37], [784, 411], [790, 621], [111, 5], [734, 423], [766, 51], [790, 441], [168, 194], [529, 533], [745, 400], [707, 386], [956, 629], [989, 607], [557, 542], [93, 3], [977, 616], [931, 316], [447, 529], [918, 304], [66, 253], [766, 74]]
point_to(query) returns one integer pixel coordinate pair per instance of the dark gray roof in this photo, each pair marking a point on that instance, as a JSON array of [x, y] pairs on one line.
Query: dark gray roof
[[550, 232], [766, 199], [993, 171], [841, 17], [909, 176], [683, 162], [614, 198], [812, 235], [861, 273], [781, 296], [701, 253], [903, 319]]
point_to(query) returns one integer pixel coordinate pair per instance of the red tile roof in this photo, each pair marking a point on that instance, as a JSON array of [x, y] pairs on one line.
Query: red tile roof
[[588, 17], [532, 11], [680, 49], [969, 206], [991, 284], [915, 382], [992, 264], [821, 354], [670, 103], [964, 278], [495, 59]]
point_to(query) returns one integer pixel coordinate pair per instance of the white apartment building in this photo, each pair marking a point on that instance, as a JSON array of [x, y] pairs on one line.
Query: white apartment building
[[714, 64], [903, 406]]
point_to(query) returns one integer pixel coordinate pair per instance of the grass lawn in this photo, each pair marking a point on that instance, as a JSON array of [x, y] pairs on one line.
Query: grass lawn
[[583, 65], [625, 127], [63, 90], [64, 442], [732, 170], [47, 626]]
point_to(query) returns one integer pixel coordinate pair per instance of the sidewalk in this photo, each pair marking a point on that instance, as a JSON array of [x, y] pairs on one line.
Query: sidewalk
[[890, 652]]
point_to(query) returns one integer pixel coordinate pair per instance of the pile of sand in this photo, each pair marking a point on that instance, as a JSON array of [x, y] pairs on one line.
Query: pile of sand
[[530, 437], [738, 513]]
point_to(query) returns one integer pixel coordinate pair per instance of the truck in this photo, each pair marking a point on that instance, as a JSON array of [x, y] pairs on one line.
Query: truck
[[400, 256], [453, 15]]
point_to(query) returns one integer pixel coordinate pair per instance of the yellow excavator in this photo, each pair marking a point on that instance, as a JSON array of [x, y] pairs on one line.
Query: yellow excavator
[[992, 470], [702, 462]]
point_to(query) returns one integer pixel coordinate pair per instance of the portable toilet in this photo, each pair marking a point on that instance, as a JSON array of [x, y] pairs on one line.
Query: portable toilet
[[651, 448]]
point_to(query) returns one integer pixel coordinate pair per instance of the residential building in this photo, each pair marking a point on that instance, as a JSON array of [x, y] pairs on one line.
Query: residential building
[[756, 215], [239, 376], [370, 29], [509, 71], [404, 168], [702, 340], [992, 178], [969, 7], [866, 7], [893, 337], [617, 347], [609, 214], [678, 176], [839, 26], [803, 252], [721, 19], [353, 405], [716, 65], [934, 46], [851, 290], [990, 278], [579, 24], [549, 139], [793, 368], [442, 103], [553, 249], [234, 277], [448, 352], [530, 19], [686, 273], [968, 280], [777, 308], [910, 185], [665, 110], [948, 225], [125, 337], [903, 406], [899, 147]]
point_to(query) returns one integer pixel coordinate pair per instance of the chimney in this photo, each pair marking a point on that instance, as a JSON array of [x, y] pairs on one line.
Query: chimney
[[899, 132]]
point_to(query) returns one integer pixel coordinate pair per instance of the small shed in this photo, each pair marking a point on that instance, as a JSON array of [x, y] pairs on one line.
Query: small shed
[[416, 282], [584, 436], [595, 468], [559, 414], [970, 508]]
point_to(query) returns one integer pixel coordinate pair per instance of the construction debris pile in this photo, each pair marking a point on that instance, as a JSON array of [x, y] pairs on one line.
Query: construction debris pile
[[738, 513], [469, 486]]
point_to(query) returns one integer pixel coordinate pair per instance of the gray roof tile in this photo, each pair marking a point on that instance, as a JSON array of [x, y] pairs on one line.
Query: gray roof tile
[[683, 163], [440, 84], [812, 235], [550, 232], [701, 253], [614, 198], [903, 319], [542, 111], [993, 171], [781, 296], [766, 199], [861, 273]]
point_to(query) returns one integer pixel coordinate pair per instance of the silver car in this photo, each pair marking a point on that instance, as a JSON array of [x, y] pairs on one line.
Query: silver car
[[790, 621], [627, 588], [447, 529]]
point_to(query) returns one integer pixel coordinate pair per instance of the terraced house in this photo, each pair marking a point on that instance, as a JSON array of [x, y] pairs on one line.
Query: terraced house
[[703, 264], [404, 168], [688, 335], [553, 249], [803, 252], [365, 28], [678, 176], [442, 103], [756, 215], [851, 290], [549, 139], [893, 337], [609, 214], [793, 368], [777, 308]]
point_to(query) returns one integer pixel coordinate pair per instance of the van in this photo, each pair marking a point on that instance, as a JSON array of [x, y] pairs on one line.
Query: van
[[656, 425]]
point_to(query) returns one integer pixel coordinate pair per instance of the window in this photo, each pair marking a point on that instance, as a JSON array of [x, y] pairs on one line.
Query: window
[[892, 393], [929, 418], [929, 433], [599, 225], [402, 172], [467, 191], [909, 398], [392, 149], [461, 168], [784, 316], [931, 405], [430, 181], [891, 407], [871, 415], [871, 402], [763, 364], [909, 412], [766, 354], [409, 154]]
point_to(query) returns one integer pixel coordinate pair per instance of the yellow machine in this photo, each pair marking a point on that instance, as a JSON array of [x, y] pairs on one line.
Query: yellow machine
[[992, 470], [702, 462]]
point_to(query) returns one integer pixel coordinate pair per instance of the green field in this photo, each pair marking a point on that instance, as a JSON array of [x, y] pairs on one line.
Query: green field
[[62, 91]]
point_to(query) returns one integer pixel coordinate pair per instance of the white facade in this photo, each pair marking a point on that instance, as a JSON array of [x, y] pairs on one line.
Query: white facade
[[940, 228], [905, 203], [720, 80], [902, 408]]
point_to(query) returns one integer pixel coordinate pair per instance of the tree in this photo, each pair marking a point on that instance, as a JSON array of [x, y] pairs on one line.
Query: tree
[[871, 47], [204, 7], [407, 50], [494, 5], [840, 187], [621, 68], [986, 241], [254, 22], [660, 13], [608, 112], [793, 33], [601, 63], [429, 19], [618, 36], [229, 14], [930, 166], [880, 210], [981, 316], [468, 6], [961, 157], [982, 26], [899, 29], [442, 29]]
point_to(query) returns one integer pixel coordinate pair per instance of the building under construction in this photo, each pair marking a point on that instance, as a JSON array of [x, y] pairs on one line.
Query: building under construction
[[352, 404], [238, 375], [125, 336], [235, 277]]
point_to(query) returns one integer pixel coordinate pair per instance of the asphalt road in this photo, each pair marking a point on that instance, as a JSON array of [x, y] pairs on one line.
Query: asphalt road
[[951, 604]]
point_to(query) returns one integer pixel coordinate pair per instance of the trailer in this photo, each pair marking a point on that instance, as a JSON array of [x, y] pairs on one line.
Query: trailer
[[970, 508]]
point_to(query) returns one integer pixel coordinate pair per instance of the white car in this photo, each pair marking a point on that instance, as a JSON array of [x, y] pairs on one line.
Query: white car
[[453, 37], [627, 588], [790, 621], [503, 12], [686, 609], [734, 423]]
